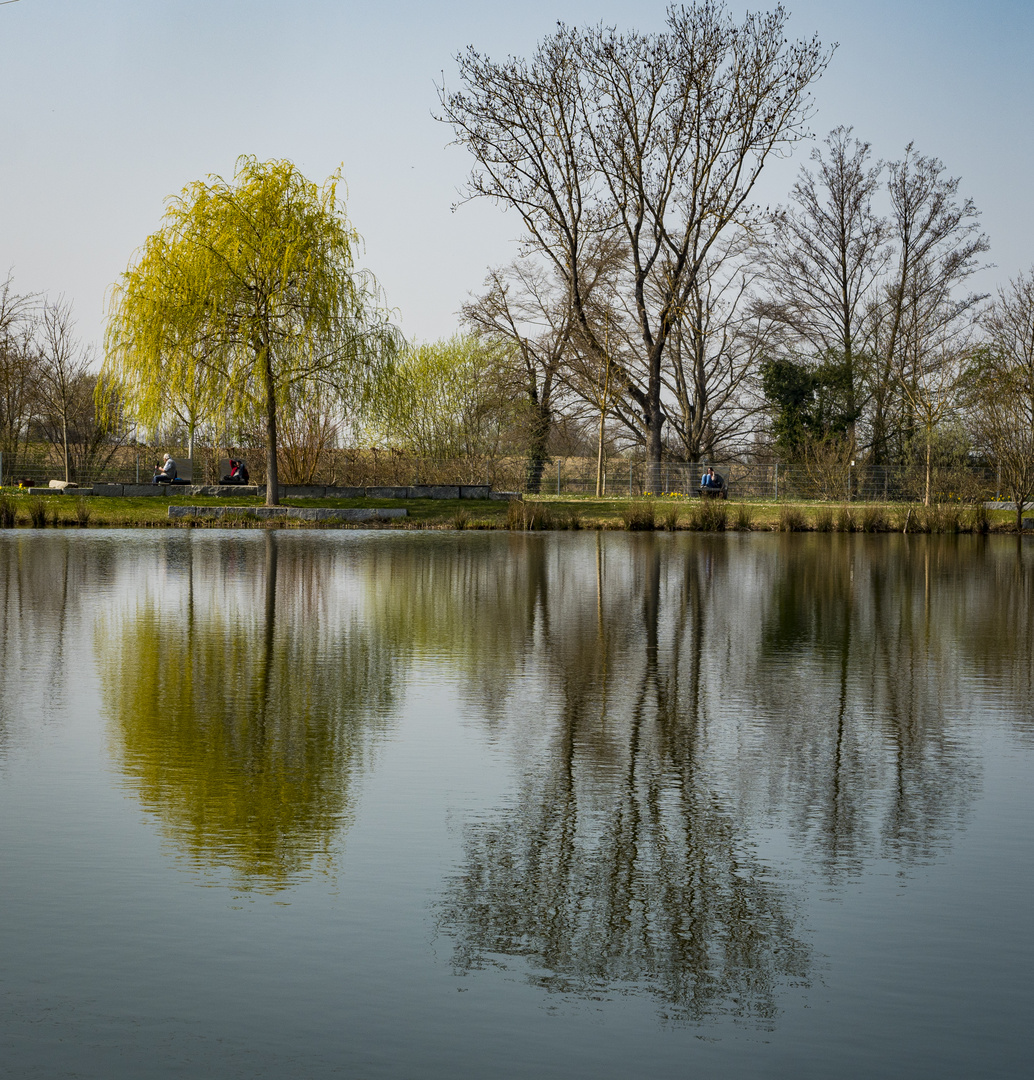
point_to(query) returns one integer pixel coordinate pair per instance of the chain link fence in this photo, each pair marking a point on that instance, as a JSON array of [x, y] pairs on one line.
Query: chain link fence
[[774, 481], [563, 476]]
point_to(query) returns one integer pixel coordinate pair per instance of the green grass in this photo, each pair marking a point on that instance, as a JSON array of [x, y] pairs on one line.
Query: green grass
[[538, 512]]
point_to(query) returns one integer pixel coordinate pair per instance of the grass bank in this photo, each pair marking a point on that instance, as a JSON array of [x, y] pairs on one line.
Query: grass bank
[[18, 509]]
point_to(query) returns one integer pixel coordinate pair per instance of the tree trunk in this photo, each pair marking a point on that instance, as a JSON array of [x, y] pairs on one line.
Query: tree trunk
[[64, 442], [929, 451], [653, 451], [599, 459], [272, 476], [603, 416], [537, 452], [654, 417]]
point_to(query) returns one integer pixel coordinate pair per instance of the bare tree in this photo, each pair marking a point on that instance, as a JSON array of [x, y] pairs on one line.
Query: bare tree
[[17, 361], [715, 352], [525, 307], [922, 324], [63, 363], [1002, 390], [656, 139], [824, 260]]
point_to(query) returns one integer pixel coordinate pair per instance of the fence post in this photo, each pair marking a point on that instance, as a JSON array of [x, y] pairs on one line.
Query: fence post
[[777, 481], [1, 468], [559, 465]]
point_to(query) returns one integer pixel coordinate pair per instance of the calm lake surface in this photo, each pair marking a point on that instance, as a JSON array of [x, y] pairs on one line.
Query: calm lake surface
[[407, 805]]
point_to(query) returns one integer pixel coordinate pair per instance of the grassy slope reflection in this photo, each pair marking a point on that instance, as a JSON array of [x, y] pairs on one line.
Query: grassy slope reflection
[[241, 719]]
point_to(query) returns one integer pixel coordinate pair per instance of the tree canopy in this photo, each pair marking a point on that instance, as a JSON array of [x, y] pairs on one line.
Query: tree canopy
[[246, 305]]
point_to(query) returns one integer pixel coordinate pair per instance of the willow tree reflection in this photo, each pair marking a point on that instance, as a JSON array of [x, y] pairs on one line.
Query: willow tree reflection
[[621, 865], [241, 719]]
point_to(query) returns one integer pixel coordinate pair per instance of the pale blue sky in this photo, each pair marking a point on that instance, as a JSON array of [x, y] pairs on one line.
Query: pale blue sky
[[110, 106]]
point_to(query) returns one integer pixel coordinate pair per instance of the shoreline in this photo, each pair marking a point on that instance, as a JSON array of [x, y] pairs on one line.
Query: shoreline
[[533, 513]]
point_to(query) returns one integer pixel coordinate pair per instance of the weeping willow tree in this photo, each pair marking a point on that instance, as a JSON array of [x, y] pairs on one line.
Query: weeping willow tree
[[448, 400], [247, 305]]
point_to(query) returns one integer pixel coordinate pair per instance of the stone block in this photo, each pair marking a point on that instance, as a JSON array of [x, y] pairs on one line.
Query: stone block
[[434, 491], [506, 496], [387, 492], [475, 491], [344, 493], [110, 490], [224, 489], [62, 485], [43, 491], [264, 513], [140, 490], [302, 491]]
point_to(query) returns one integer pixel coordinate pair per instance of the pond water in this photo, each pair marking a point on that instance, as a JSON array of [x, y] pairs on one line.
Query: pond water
[[407, 805]]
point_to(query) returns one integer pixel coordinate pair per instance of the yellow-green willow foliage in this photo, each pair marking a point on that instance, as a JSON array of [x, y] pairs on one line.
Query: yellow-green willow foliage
[[444, 400], [242, 726], [245, 303]]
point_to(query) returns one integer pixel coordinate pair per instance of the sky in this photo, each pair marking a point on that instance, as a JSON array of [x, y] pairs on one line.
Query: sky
[[109, 107]]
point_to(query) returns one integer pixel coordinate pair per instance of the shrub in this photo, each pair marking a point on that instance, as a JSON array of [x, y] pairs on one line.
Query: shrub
[[824, 519], [980, 519], [671, 517], [873, 519], [639, 515], [844, 520], [7, 512], [940, 518], [38, 515], [791, 519], [521, 516], [744, 517], [82, 512], [461, 519], [907, 520], [515, 515], [713, 514]]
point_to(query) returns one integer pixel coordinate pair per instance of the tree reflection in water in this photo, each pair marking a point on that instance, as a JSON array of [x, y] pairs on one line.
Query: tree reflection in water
[[669, 700], [622, 863], [873, 640], [240, 719], [710, 688]]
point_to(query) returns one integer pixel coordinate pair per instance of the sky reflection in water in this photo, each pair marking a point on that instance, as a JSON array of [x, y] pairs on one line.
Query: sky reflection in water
[[608, 775]]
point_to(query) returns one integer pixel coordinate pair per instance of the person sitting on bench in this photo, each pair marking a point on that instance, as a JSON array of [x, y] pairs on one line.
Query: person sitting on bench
[[166, 472], [238, 473], [711, 483]]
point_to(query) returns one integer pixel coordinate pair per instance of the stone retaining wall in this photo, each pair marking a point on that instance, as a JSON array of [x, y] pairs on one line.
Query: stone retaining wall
[[418, 491], [264, 513]]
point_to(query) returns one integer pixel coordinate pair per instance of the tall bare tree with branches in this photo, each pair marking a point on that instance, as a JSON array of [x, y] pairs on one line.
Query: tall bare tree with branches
[[656, 139], [824, 260], [923, 322], [17, 369], [1001, 387]]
